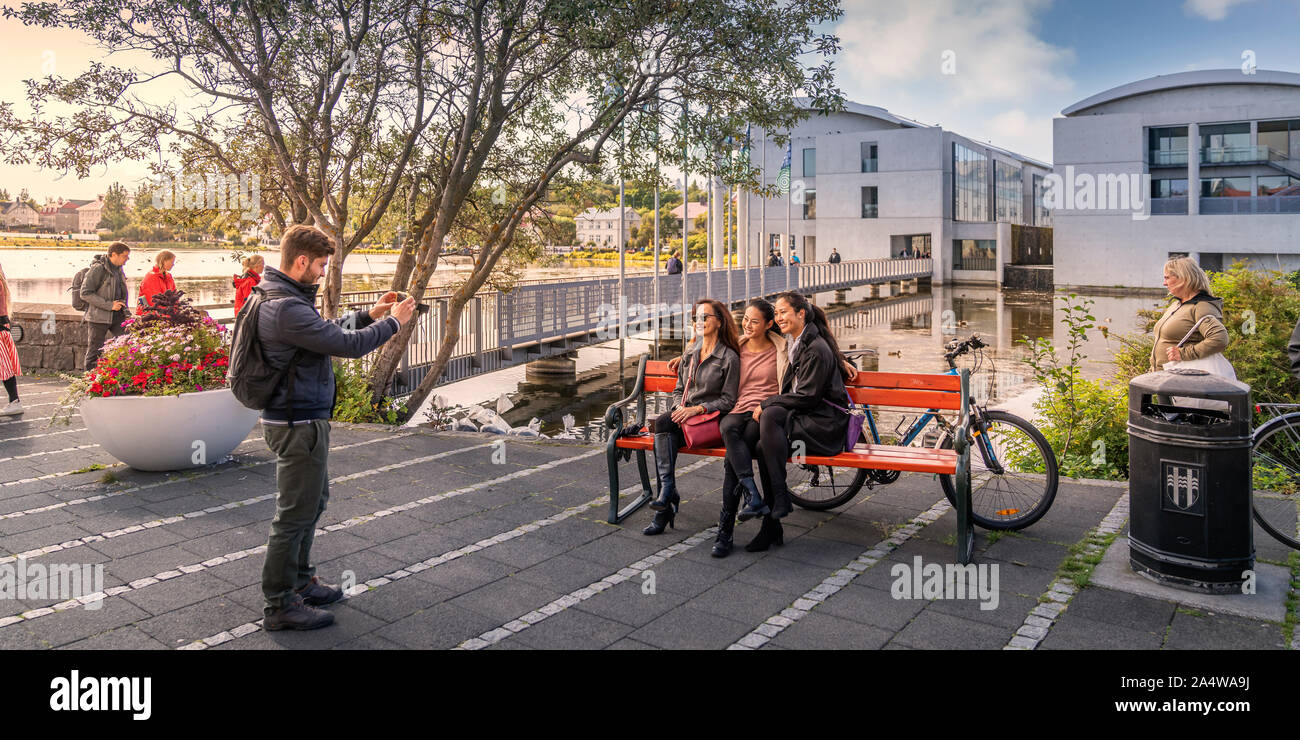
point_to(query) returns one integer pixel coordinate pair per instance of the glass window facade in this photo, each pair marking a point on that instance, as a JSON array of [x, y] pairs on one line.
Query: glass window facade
[[1169, 188], [1225, 187], [870, 206], [1042, 216], [809, 204], [1281, 137], [970, 184], [1277, 185], [869, 163], [1225, 136], [1010, 192], [810, 163], [974, 254], [1167, 146]]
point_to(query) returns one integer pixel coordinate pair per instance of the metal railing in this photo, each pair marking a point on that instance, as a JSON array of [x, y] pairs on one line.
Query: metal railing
[[1168, 206], [1250, 204]]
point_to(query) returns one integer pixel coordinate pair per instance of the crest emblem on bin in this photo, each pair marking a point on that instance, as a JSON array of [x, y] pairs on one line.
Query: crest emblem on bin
[[1182, 484]]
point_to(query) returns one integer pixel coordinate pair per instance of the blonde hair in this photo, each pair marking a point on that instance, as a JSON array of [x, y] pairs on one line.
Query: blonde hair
[[161, 258], [1186, 270], [253, 259]]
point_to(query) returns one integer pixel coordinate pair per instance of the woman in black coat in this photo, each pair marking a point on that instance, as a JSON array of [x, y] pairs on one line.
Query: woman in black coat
[[803, 411]]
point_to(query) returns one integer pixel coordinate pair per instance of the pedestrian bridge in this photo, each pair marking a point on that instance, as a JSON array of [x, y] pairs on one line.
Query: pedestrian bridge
[[539, 319]]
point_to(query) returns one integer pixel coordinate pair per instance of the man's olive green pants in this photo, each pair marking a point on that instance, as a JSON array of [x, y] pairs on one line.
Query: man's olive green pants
[[302, 478]]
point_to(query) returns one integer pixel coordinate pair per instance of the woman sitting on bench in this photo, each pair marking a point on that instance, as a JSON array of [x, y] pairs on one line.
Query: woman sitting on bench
[[803, 411], [707, 381], [763, 362]]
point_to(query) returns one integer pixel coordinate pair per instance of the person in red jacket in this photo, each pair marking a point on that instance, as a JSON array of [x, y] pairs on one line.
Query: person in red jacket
[[253, 266], [159, 280]]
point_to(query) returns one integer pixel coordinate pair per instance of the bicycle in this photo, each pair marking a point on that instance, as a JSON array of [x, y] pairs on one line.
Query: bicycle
[[1013, 478], [1275, 472]]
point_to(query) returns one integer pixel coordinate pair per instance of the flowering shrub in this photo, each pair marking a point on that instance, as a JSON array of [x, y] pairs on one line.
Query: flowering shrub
[[171, 349]]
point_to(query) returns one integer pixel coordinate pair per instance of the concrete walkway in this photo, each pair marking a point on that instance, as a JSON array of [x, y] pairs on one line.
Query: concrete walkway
[[475, 542]]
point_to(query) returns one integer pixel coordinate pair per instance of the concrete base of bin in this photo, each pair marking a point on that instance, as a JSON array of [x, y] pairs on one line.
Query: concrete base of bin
[[1189, 574], [1272, 584]]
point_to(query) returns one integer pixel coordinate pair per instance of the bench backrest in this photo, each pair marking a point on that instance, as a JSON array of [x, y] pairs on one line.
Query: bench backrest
[[903, 390]]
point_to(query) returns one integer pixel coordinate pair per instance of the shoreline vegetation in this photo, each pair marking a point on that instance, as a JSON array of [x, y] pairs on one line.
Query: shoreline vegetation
[[83, 245]]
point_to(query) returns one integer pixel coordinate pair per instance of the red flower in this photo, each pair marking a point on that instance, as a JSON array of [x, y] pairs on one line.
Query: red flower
[[96, 388]]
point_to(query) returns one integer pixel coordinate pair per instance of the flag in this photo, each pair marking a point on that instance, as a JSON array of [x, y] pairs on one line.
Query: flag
[[783, 178]]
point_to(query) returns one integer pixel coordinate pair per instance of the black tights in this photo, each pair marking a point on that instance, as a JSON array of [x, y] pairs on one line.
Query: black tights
[[774, 442], [11, 387], [741, 434]]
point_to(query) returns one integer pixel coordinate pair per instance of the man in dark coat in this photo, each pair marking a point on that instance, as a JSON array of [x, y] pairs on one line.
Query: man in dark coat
[[104, 290]]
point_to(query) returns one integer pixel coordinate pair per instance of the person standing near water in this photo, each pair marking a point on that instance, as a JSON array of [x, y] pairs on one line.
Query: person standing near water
[[9, 367], [159, 280], [105, 294], [253, 267]]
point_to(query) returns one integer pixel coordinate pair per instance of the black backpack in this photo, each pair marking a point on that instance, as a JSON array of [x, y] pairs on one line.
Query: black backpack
[[78, 302], [251, 378]]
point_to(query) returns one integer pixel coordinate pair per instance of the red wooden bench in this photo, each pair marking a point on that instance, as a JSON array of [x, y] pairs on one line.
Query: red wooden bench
[[902, 390]]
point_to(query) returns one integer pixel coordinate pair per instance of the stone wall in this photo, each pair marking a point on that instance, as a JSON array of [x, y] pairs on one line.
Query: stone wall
[[53, 337]]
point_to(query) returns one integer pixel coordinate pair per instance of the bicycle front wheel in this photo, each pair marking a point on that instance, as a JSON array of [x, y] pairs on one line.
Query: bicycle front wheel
[[1023, 492], [1275, 473]]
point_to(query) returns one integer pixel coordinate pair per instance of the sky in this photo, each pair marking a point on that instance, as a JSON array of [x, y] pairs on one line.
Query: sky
[[1015, 63]]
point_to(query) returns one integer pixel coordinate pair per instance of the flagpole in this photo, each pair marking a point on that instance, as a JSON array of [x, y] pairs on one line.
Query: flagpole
[[762, 225], [709, 246], [789, 204], [686, 219], [622, 261], [726, 241]]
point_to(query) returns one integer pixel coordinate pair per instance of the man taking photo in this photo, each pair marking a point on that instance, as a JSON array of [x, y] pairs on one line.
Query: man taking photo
[[295, 422]]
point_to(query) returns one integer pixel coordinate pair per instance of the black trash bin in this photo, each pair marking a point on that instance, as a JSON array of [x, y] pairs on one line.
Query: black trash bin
[[1189, 480]]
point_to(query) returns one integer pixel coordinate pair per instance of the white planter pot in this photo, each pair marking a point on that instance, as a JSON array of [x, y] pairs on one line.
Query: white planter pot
[[169, 432]]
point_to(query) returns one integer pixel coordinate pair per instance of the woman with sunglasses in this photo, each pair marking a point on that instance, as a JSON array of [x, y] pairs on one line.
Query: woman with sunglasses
[[707, 381]]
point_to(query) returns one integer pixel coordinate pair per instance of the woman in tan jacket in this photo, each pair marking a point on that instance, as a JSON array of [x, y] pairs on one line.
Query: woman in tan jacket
[[1185, 280]]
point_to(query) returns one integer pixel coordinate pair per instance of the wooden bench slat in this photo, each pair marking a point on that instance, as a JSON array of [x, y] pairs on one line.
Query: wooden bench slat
[[659, 383], [891, 457], [907, 398], [922, 382]]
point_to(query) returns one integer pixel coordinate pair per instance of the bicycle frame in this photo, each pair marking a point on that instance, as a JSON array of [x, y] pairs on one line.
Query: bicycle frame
[[918, 426]]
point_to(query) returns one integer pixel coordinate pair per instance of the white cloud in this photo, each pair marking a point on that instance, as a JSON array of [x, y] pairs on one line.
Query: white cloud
[[1213, 10], [1008, 84], [997, 54]]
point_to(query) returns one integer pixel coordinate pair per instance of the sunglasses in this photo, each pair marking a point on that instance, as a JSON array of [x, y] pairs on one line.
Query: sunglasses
[[704, 318]]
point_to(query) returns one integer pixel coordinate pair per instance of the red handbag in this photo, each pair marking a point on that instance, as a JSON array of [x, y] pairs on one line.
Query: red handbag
[[701, 431]]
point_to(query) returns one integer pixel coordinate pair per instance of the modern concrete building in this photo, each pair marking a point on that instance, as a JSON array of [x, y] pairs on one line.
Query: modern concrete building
[[601, 227], [875, 185], [1222, 151]]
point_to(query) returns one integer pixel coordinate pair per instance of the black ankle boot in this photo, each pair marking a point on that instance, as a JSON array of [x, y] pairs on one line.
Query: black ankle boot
[[754, 505], [781, 505], [726, 525], [661, 521], [666, 467], [770, 532]]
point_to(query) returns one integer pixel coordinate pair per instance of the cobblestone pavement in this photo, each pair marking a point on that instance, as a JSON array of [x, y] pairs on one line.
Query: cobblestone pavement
[[451, 548]]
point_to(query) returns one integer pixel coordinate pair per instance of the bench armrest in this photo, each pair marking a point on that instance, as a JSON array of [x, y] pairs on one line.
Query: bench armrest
[[614, 414]]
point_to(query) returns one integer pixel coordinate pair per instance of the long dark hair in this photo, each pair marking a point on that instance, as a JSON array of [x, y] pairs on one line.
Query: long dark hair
[[765, 308], [726, 324], [815, 315]]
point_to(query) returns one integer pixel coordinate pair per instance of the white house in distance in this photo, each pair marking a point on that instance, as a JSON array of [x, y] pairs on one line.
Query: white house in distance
[[1222, 151], [89, 215], [18, 214], [601, 227], [876, 185]]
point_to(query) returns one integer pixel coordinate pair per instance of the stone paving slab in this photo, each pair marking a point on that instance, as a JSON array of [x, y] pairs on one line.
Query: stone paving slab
[[522, 553]]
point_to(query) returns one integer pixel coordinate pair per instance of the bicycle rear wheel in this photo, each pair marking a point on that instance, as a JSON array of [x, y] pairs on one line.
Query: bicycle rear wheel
[[821, 487], [1275, 473], [1024, 491]]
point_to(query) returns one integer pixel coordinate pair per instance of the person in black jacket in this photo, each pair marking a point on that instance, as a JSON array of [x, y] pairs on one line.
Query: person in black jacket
[[708, 380], [674, 265], [295, 422], [803, 411]]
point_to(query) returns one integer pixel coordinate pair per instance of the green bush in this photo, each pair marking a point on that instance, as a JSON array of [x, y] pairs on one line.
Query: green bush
[[1260, 310], [352, 402], [1084, 421]]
